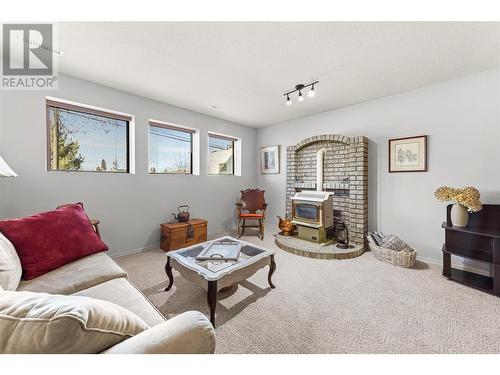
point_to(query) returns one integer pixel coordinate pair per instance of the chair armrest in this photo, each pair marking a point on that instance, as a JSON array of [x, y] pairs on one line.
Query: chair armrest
[[187, 333], [95, 225]]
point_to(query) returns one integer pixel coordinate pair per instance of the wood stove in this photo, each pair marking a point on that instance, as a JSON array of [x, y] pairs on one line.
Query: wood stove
[[312, 212]]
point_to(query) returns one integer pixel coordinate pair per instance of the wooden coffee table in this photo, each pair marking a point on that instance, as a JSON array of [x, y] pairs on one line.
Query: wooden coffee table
[[216, 275]]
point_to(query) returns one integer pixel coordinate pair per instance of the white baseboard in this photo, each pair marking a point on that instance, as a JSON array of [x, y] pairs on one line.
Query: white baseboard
[[117, 254], [121, 253]]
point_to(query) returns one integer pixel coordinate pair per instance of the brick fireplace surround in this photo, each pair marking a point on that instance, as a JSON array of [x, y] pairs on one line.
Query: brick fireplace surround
[[345, 172]]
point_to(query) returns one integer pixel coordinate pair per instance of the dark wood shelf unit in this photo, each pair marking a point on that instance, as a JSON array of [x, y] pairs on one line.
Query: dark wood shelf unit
[[472, 279], [489, 232], [482, 256], [479, 241]]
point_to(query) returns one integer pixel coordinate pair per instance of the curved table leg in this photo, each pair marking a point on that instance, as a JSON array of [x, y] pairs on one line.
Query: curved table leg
[[212, 300], [168, 270], [272, 268]]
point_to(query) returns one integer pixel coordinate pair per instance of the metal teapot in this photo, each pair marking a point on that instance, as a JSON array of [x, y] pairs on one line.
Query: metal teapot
[[182, 216], [286, 226]]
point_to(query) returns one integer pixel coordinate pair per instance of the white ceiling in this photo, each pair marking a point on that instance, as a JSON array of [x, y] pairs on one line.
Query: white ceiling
[[244, 68]]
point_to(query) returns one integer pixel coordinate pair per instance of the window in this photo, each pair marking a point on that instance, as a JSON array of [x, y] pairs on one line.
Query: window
[[86, 140], [170, 149], [220, 154]]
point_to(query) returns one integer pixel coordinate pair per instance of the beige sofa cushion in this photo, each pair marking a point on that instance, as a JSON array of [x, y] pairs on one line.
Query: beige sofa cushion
[[72, 277], [123, 293], [44, 323], [10, 265]]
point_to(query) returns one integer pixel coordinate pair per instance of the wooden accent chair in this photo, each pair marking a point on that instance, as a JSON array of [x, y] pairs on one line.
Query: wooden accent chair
[[95, 222], [251, 201]]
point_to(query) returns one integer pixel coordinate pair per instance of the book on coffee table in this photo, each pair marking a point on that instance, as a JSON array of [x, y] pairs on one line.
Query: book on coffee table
[[224, 250]]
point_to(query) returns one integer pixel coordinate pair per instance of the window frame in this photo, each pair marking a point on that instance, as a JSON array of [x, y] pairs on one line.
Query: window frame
[[166, 125], [91, 110], [234, 140]]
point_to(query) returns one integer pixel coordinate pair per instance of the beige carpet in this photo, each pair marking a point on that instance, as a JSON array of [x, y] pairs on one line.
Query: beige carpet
[[359, 305]]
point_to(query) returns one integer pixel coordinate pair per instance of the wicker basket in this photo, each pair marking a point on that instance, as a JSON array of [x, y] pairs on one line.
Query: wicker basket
[[404, 258]]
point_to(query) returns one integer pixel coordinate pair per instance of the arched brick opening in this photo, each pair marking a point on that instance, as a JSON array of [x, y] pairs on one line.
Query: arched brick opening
[[345, 172]]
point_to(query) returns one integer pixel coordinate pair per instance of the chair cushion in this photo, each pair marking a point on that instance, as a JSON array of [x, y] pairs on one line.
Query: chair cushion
[[51, 239], [123, 293], [73, 277], [10, 265], [252, 216], [46, 323]]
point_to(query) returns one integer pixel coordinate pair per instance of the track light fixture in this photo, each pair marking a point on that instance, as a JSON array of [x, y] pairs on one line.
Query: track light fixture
[[299, 88]]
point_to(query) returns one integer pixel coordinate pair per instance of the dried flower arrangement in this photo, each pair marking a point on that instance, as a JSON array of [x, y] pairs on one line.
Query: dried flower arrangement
[[467, 196]]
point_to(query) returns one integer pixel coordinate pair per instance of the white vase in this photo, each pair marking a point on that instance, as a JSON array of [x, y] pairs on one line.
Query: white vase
[[459, 215]]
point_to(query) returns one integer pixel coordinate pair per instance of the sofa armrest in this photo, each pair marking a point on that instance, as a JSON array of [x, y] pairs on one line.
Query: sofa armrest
[[188, 333]]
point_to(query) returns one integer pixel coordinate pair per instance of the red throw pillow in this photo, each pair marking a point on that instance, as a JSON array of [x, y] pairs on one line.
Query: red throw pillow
[[51, 239]]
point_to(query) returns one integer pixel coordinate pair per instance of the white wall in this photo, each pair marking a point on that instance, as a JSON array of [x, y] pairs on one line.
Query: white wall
[[131, 207], [462, 119]]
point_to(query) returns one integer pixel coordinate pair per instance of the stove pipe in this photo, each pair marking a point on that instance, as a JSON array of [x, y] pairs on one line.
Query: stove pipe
[[320, 155]]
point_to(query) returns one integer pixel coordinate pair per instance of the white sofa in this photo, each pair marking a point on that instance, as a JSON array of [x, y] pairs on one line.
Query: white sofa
[[98, 276]]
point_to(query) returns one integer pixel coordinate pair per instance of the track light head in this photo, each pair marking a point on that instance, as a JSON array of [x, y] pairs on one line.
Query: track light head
[[301, 98], [288, 100], [311, 92]]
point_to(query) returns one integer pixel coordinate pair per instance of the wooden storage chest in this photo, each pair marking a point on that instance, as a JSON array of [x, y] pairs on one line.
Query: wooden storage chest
[[178, 235]]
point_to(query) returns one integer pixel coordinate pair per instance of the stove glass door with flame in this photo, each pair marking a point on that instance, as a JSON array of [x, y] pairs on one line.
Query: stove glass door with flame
[[306, 212]]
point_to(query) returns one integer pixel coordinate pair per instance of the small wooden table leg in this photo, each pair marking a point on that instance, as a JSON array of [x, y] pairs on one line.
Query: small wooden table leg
[[168, 270], [496, 279], [496, 266], [272, 268], [446, 265], [212, 300]]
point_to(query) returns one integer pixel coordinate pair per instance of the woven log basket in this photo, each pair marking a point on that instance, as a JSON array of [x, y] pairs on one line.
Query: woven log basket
[[404, 258]]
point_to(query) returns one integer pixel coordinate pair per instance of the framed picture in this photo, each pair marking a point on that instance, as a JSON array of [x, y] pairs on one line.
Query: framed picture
[[408, 154], [270, 159]]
